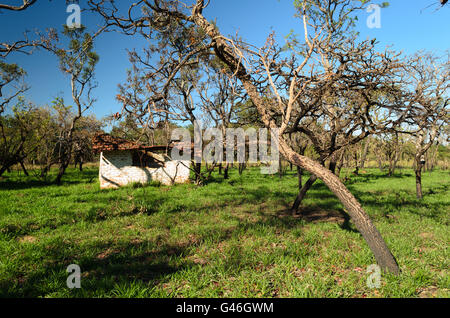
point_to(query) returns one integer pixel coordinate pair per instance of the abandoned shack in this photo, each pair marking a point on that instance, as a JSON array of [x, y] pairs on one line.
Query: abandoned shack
[[123, 162]]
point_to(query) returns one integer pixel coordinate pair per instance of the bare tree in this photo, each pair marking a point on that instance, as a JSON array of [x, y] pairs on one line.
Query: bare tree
[[391, 147], [219, 95], [330, 21], [78, 61], [26, 45], [429, 78]]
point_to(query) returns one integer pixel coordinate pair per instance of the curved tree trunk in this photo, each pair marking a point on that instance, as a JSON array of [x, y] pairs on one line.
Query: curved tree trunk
[[384, 257], [360, 218], [302, 193], [307, 186], [24, 169]]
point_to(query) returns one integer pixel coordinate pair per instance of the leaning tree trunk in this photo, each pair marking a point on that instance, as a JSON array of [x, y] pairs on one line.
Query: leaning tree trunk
[[302, 193], [361, 220], [197, 172], [2, 170], [303, 189], [6, 167], [359, 217], [65, 153], [62, 169], [24, 169]]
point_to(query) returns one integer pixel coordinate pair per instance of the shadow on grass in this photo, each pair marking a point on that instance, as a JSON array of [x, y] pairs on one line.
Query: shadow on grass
[[117, 263], [105, 265], [13, 181]]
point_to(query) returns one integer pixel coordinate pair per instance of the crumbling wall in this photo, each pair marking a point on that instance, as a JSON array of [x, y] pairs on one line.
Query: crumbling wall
[[116, 169]]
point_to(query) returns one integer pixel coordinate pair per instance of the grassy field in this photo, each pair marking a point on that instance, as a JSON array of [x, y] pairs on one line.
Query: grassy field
[[229, 238]]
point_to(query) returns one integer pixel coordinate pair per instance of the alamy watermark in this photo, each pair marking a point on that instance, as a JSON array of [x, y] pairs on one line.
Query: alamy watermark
[[374, 279], [74, 278], [374, 20], [73, 21], [215, 146]]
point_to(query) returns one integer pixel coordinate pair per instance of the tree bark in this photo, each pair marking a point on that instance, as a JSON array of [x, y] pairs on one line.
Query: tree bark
[[280, 168], [356, 171], [384, 257], [24, 169], [364, 154], [45, 170], [241, 168], [302, 193], [61, 171], [225, 172], [309, 183], [380, 163], [332, 165], [418, 172], [299, 174], [419, 193], [340, 164], [197, 171]]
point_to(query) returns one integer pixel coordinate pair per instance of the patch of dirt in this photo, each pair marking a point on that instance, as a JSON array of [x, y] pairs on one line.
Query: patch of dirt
[[426, 235], [136, 241], [27, 239], [315, 215], [107, 253], [428, 292], [198, 260]]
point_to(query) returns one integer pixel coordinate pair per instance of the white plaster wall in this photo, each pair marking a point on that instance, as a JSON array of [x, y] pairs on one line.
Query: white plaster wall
[[116, 170]]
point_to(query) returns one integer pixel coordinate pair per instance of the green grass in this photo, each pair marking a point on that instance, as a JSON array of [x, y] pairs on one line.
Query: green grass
[[229, 238]]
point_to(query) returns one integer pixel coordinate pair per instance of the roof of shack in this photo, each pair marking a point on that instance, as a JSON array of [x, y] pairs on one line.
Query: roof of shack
[[106, 142]]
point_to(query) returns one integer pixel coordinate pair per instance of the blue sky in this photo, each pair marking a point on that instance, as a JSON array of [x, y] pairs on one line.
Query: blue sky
[[408, 26]]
